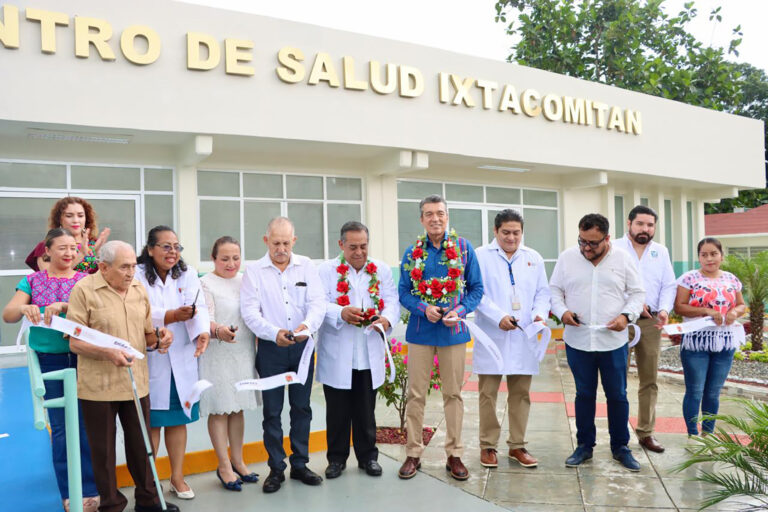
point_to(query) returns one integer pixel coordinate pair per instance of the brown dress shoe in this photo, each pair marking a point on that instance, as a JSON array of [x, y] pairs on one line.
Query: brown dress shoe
[[456, 468], [409, 468], [488, 458], [650, 443], [522, 456]]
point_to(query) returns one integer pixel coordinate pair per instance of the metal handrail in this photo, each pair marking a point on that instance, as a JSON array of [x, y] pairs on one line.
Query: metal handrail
[[71, 419]]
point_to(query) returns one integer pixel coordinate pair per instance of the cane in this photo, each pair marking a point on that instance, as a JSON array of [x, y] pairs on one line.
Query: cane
[[146, 439]]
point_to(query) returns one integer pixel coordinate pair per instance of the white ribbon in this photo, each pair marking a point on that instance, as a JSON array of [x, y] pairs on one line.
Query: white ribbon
[[84, 333], [282, 379], [538, 345], [686, 327], [194, 396], [479, 336], [635, 339], [387, 349]]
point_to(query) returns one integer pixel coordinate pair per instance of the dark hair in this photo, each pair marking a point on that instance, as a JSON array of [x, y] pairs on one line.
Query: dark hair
[[434, 198], [507, 215], [149, 264], [709, 240], [54, 220], [642, 210], [221, 241], [594, 220], [55, 233], [352, 225]]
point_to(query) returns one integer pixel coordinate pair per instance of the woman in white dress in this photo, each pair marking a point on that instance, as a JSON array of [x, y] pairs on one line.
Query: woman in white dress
[[226, 362], [176, 302]]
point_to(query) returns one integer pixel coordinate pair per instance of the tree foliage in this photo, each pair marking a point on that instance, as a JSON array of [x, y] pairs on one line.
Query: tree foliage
[[637, 45]]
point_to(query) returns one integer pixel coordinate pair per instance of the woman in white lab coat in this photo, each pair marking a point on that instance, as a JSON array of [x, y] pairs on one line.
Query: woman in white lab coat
[[176, 300]]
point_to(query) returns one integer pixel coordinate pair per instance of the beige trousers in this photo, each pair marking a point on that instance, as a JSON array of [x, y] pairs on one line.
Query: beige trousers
[[647, 353], [451, 360], [518, 408]]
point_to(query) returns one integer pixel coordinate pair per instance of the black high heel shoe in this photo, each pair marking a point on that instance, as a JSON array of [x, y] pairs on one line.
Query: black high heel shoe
[[236, 485], [250, 478]]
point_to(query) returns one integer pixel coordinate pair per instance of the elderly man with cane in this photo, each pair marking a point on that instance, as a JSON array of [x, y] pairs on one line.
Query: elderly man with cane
[[114, 303]]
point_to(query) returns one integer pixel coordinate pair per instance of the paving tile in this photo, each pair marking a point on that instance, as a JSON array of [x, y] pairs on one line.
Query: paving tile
[[533, 488], [597, 508], [624, 491]]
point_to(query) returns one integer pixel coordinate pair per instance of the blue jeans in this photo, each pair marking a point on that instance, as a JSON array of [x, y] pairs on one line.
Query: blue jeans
[[612, 366], [273, 360], [55, 389], [705, 373]]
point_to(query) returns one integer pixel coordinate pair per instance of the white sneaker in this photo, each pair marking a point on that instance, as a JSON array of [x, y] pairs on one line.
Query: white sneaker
[[183, 495], [693, 444]]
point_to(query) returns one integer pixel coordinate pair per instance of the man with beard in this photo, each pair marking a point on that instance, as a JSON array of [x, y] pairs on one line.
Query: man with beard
[[652, 261], [596, 291]]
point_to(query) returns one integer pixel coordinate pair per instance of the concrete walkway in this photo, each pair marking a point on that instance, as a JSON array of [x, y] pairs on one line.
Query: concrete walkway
[[599, 485]]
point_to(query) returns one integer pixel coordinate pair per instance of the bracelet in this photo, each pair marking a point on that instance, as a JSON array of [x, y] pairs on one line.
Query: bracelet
[[216, 332]]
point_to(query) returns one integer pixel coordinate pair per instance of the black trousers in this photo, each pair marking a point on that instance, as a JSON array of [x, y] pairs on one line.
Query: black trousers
[[351, 409], [272, 360]]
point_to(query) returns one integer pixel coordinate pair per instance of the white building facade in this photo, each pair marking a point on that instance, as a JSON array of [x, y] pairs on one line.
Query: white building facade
[[214, 121]]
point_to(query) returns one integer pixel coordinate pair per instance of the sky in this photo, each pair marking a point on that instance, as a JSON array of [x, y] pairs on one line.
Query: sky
[[467, 26]]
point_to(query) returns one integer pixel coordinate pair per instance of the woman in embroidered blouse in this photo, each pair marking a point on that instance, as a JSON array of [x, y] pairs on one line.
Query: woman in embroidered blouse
[[707, 353], [224, 364], [40, 296], [77, 216]]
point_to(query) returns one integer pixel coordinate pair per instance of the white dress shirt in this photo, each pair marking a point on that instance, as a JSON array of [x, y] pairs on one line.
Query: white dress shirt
[[530, 292], [180, 358], [656, 273], [271, 299], [342, 347], [597, 294]]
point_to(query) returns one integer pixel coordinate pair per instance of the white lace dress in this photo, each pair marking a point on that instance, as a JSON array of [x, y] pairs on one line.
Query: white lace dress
[[223, 363]]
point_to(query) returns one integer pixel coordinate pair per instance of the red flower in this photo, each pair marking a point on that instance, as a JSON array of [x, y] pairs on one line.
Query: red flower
[[435, 283], [451, 254], [342, 286], [343, 300], [423, 288], [453, 273], [371, 268], [416, 274], [369, 312], [450, 286], [381, 304], [417, 253], [342, 269], [437, 293], [437, 289]]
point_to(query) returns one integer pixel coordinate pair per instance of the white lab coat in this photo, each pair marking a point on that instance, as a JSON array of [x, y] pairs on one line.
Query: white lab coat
[[532, 292], [337, 339], [180, 358]]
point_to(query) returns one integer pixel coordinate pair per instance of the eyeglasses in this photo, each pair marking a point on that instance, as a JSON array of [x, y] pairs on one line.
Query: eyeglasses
[[593, 245], [168, 248]]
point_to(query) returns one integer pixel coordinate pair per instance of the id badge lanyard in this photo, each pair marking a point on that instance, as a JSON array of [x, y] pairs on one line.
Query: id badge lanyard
[[515, 300]]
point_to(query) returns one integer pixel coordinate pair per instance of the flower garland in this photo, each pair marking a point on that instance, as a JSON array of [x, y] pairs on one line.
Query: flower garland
[[342, 286], [436, 289]]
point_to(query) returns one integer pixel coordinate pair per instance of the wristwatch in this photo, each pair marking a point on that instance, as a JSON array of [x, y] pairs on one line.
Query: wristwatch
[[631, 317]]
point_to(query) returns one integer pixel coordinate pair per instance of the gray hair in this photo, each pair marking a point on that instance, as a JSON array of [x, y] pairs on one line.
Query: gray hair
[[434, 198], [109, 250], [354, 226], [277, 221]]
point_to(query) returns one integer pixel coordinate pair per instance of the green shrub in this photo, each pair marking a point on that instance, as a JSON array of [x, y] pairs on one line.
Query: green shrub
[[738, 356]]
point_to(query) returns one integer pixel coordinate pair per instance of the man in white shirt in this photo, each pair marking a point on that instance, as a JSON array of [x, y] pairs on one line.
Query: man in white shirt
[[359, 292], [282, 301], [516, 294], [596, 291], [653, 263]]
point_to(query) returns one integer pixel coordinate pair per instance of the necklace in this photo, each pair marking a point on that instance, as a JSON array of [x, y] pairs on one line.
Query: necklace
[[342, 286], [436, 289]]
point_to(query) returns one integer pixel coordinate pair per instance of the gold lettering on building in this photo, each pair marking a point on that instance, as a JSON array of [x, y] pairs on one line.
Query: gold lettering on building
[[411, 82], [291, 70], [509, 100], [196, 41], [529, 100], [487, 87], [9, 27], [615, 121], [323, 71], [552, 106], [48, 22], [128, 45], [350, 82], [96, 32], [376, 84], [633, 121], [236, 53], [575, 110], [600, 111]]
